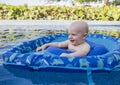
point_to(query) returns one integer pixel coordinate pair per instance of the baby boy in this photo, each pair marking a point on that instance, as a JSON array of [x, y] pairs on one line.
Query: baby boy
[[77, 32]]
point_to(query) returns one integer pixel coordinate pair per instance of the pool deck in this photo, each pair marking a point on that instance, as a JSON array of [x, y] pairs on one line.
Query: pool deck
[[53, 23], [56, 22]]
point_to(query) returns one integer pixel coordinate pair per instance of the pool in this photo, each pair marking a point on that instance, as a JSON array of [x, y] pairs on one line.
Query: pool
[[12, 35], [19, 76]]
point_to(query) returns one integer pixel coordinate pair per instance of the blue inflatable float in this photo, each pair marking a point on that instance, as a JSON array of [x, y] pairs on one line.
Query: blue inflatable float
[[104, 54]]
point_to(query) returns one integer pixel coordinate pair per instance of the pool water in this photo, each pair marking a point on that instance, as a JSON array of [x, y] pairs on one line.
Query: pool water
[[18, 76], [25, 77], [13, 75]]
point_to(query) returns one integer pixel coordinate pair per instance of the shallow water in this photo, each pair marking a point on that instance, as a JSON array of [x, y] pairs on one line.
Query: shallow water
[[11, 75]]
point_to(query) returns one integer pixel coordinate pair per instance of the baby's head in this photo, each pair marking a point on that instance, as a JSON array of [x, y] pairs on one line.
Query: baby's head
[[78, 31]]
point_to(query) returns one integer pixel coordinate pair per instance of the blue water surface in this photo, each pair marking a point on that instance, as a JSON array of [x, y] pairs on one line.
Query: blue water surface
[[13, 75], [10, 75]]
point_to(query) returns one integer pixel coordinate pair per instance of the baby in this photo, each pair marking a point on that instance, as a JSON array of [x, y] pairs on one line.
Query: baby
[[77, 32]]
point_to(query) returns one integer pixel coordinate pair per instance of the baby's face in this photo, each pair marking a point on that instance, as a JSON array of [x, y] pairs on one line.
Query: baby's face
[[76, 36]]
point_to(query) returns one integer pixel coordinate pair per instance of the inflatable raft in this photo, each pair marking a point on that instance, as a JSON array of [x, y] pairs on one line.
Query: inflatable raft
[[104, 54]]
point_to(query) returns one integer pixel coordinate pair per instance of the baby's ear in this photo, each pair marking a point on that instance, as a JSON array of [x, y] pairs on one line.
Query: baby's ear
[[84, 35]]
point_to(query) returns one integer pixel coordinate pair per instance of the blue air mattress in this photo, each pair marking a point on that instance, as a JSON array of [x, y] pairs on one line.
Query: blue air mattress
[[104, 54]]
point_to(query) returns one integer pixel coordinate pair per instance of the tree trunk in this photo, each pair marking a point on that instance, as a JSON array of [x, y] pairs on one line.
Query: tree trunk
[[107, 3]]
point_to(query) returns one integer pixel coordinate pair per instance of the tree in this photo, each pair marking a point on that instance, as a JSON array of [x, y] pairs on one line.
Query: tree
[[107, 3], [80, 1]]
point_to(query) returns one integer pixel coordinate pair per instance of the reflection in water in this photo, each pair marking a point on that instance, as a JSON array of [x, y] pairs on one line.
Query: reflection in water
[[45, 78], [13, 75]]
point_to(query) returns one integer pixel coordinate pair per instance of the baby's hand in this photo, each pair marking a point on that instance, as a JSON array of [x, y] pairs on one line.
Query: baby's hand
[[64, 55], [42, 47]]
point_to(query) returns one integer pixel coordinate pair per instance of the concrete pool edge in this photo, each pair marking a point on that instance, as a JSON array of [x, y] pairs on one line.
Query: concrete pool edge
[[57, 22], [54, 22]]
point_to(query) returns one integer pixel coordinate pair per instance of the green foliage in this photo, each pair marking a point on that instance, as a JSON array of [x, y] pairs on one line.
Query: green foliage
[[117, 2], [113, 33], [81, 1], [106, 13]]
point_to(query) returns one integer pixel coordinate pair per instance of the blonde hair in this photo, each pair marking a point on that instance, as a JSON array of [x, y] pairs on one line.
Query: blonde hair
[[81, 24]]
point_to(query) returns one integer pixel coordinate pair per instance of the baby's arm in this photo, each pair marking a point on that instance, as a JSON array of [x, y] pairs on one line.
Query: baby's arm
[[75, 54], [56, 44]]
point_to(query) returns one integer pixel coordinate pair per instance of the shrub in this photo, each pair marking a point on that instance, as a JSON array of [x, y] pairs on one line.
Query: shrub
[[105, 13]]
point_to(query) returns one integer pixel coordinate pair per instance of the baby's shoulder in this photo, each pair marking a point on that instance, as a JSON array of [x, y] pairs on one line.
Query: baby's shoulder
[[86, 44]]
